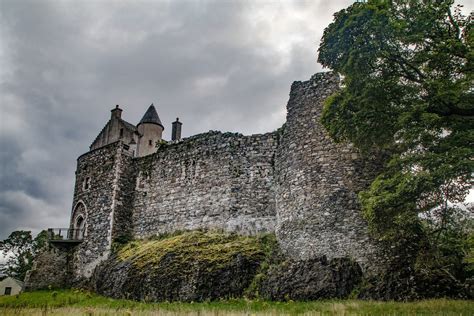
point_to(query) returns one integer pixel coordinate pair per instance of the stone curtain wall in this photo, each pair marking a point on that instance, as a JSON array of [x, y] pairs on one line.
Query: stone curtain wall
[[213, 180], [103, 167], [317, 182]]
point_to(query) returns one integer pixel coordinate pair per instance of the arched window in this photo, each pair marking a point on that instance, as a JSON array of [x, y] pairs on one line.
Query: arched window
[[78, 221], [79, 227]]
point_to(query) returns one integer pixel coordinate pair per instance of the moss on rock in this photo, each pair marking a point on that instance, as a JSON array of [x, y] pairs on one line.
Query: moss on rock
[[189, 266]]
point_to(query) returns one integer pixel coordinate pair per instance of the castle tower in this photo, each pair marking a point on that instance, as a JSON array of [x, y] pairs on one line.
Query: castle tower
[[101, 209], [318, 181], [151, 131]]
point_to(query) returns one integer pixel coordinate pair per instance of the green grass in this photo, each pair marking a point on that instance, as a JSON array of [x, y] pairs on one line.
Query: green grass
[[76, 302]]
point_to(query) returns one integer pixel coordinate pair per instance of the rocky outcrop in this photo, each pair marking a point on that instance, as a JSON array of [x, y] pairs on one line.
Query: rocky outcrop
[[408, 284], [200, 265], [50, 270], [197, 266], [193, 266], [311, 279]]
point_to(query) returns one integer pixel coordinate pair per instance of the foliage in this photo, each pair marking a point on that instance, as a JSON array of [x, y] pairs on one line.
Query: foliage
[[20, 248], [408, 90], [161, 144], [75, 302]]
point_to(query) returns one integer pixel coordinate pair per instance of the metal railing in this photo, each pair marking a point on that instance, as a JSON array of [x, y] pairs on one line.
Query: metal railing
[[65, 234]]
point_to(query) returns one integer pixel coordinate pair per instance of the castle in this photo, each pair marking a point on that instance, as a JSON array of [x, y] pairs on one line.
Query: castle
[[295, 182], [142, 139]]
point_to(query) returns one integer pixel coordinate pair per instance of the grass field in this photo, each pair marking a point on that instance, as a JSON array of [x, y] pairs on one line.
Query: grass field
[[75, 302]]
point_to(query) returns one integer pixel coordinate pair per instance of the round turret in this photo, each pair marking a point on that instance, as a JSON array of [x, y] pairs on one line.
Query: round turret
[[150, 130]]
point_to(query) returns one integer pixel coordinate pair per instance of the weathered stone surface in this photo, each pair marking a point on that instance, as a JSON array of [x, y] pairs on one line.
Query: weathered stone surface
[[194, 266], [407, 284], [50, 270], [105, 201], [311, 279], [213, 180], [317, 182]]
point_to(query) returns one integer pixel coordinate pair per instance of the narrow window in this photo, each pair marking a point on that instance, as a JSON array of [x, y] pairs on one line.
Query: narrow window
[[121, 132], [8, 291], [79, 228], [150, 142], [87, 183]]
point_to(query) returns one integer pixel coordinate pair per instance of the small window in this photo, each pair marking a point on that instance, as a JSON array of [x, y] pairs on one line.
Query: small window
[[87, 183], [150, 142], [79, 228], [8, 291], [121, 132]]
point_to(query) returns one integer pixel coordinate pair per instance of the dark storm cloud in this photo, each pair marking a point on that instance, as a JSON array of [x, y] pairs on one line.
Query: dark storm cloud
[[220, 65]]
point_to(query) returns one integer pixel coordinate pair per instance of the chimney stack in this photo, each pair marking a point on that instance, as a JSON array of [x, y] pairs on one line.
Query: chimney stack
[[176, 130], [116, 113]]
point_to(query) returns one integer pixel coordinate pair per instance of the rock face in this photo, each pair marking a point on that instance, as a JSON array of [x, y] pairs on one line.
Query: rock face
[[193, 266], [311, 279], [197, 266], [407, 284], [49, 270]]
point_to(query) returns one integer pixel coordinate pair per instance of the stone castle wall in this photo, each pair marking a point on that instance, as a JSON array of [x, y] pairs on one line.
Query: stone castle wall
[[318, 181], [212, 180], [296, 182], [100, 193]]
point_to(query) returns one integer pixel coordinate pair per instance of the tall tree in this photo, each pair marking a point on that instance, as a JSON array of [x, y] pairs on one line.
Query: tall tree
[[407, 69], [20, 249]]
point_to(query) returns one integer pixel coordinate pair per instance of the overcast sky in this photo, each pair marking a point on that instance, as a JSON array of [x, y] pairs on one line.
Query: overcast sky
[[218, 65]]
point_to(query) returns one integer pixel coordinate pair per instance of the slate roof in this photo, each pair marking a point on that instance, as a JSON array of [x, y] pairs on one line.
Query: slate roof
[[129, 126], [151, 116]]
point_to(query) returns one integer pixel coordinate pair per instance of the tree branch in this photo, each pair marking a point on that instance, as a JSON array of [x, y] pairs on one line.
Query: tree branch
[[455, 24]]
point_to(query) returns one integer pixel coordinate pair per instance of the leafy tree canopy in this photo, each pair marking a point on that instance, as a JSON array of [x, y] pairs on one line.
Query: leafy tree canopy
[[407, 69], [20, 248]]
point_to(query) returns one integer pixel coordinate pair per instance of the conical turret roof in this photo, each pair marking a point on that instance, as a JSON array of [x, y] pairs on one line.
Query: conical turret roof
[[151, 116]]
